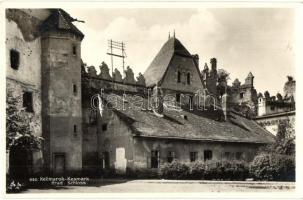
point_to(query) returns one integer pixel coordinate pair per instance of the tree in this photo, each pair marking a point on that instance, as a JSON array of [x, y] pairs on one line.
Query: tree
[[18, 132], [277, 161]]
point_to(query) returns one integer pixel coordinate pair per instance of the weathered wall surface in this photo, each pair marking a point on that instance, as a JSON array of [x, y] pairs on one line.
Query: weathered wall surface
[[62, 111], [116, 138], [182, 149], [271, 123], [28, 76]]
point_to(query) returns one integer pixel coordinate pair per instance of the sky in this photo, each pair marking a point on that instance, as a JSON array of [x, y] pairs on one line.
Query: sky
[[257, 40]]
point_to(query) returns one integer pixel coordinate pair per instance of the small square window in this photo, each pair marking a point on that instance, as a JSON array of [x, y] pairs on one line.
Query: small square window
[[227, 155], [193, 156], [14, 59], [239, 155], [208, 155], [28, 101], [104, 127], [170, 156]]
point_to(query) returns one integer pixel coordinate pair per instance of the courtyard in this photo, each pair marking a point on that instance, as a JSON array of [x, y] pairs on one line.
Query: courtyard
[[153, 186]]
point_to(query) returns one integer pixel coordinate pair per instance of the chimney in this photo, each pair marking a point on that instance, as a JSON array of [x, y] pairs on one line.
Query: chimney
[[225, 105], [213, 63], [196, 59], [158, 99]]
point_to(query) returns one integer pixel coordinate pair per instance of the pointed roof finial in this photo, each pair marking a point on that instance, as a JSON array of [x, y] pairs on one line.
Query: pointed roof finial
[[168, 34], [174, 33]]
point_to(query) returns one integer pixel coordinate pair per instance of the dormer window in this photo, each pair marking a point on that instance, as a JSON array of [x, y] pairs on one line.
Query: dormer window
[[188, 78], [179, 77]]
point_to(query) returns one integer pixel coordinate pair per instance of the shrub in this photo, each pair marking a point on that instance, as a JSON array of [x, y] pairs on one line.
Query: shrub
[[175, 170], [142, 173], [197, 170], [222, 170], [273, 167]]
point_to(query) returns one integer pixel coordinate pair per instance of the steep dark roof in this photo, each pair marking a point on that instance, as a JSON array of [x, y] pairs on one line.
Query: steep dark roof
[[60, 20], [199, 125], [155, 72]]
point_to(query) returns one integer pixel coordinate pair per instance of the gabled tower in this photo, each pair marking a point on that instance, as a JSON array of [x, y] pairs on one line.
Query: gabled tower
[[61, 93]]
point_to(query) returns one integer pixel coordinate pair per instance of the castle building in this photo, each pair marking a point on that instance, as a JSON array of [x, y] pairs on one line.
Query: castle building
[[274, 109], [92, 122]]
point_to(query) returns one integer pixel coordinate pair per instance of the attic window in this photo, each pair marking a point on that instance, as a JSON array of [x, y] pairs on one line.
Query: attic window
[[179, 77], [28, 101], [185, 117], [74, 50], [188, 78], [14, 59]]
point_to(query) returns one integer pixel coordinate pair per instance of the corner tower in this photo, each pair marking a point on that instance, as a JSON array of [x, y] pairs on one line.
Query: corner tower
[[61, 93]]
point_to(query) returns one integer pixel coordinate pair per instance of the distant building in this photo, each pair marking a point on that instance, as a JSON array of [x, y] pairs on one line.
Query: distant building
[[274, 109]]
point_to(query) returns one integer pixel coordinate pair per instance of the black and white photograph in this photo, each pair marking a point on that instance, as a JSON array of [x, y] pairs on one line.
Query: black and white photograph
[[164, 99]]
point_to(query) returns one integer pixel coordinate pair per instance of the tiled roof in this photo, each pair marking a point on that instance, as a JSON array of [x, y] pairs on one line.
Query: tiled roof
[[155, 72], [197, 125], [60, 20]]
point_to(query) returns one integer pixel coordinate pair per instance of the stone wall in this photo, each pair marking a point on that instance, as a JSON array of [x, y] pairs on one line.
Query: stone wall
[[21, 37]]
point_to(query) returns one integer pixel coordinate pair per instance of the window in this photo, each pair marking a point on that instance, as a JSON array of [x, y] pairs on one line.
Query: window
[[178, 97], [75, 128], [28, 101], [74, 50], [15, 59], [170, 156], [241, 95], [239, 155], [75, 89], [155, 159], [105, 160], [179, 77], [272, 108], [208, 155], [193, 156], [190, 101], [104, 127], [188, 78], [227, 155]]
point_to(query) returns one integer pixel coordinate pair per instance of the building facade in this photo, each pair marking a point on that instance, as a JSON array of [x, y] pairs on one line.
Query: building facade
[[93, 121]]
